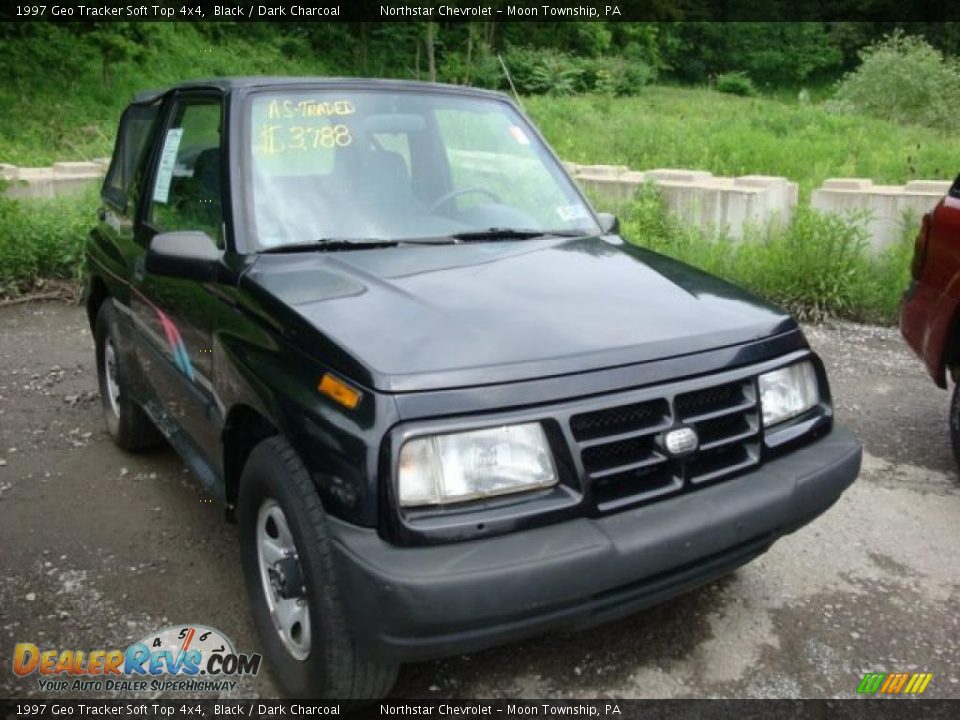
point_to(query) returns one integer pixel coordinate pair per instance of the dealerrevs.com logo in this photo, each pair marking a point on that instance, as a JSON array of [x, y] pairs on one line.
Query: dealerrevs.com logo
[[189, 658]]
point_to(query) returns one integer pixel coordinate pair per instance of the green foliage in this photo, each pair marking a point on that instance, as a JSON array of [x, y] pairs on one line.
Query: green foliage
[[773, 53], [42, 239], [549, 72], [541, 72], [73, 114], [903, 79], [736, 83], [729, 135], [584, 38], [816, 267], [616, 76]]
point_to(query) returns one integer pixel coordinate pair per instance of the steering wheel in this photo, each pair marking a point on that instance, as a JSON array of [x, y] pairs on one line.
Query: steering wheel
[[453, 194]]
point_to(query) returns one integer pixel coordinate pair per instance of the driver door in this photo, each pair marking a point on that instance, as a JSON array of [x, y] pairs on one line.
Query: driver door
[[173, 315]]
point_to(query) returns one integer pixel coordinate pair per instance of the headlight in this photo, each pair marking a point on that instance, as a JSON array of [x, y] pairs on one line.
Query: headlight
[[451, 468], [787, 392]]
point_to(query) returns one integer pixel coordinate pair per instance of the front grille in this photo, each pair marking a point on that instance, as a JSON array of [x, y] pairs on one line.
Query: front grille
[[623, 458], [616, 420]]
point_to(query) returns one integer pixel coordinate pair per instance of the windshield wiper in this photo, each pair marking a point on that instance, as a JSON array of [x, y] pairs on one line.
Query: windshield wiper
[[330, 244], [496, 233], [335, 244]]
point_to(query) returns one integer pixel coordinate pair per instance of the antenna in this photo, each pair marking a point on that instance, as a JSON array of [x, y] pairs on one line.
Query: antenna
[[510, 80]]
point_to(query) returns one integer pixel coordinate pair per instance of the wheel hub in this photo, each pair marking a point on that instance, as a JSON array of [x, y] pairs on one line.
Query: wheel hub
[[286, 578], [283, 580]]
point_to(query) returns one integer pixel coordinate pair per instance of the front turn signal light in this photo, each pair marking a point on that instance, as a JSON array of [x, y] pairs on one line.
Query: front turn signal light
[[339, 391]]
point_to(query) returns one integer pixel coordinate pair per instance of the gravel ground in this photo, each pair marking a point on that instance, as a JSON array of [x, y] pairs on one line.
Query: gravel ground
[[99, 547]]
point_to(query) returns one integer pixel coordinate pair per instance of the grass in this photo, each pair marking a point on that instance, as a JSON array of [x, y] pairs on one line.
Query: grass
[[728, 135], [817, 267], [43, 239], [72, 113]]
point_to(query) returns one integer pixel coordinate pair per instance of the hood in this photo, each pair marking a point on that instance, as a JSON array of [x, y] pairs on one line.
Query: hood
[[429, 317]]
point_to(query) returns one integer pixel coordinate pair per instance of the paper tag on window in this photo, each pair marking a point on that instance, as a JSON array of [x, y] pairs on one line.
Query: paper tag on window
[[168, 161], [571, 212], [519, 135]]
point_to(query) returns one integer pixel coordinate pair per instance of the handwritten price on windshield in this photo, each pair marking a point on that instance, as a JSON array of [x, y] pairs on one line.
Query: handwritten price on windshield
[[276, 139]]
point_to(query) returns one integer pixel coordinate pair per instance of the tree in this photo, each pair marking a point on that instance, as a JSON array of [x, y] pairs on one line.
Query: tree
[[117, 42]]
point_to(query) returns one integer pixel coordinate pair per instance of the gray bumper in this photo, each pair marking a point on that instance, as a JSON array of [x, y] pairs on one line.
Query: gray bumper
[[424, 602]]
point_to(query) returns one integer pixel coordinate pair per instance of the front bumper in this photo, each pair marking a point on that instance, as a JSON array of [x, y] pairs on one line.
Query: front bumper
[[416, 603]]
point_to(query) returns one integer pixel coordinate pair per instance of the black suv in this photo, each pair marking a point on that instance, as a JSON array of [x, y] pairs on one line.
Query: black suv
[[447, 404]]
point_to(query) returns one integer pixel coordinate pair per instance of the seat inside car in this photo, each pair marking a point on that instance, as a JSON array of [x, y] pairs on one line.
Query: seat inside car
[[385, 180]]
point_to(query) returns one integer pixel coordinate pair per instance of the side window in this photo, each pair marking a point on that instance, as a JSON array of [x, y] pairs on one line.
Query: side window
[[121, 184], [186, 191]]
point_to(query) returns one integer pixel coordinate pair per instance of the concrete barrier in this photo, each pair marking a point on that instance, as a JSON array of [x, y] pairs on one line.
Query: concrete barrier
[[714, 204], [62, 178], [885, 207]]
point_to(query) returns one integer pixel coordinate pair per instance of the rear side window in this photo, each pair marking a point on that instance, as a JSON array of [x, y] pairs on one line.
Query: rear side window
[[132, 139]]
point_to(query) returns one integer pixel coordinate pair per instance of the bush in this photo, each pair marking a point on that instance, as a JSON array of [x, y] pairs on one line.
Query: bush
[[616, 76], [42, 239], [542, 72], [816, 267], [549, 72], [778, 53], [903, 79], [736, 83], [484, 69]]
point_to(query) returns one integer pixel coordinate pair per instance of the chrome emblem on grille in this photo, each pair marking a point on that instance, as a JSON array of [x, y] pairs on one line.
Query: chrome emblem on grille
[[681, 441]]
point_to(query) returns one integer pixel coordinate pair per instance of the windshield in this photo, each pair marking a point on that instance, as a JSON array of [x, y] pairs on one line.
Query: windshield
[[392, 166]]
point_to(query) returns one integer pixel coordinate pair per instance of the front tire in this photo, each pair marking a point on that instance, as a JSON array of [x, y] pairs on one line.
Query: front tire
[[127, 423], [291, 583]]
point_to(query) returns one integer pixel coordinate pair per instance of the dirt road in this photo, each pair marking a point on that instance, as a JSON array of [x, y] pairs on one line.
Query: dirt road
[[99, 547]]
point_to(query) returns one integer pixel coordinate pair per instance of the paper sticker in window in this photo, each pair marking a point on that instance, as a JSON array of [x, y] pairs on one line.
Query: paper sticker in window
[[519, 135], [168, 161], [571, 212]]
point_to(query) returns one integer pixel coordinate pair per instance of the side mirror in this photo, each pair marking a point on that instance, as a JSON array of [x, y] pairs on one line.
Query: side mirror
[[187, 254], [609, 223]]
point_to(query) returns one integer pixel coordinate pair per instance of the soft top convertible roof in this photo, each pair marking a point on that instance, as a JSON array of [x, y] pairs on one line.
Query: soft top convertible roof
[[227, 84]]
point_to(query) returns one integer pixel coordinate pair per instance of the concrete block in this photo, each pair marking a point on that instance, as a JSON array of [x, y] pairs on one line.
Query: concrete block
[[855, 184], [723, 204], [937, 187], [76, 169], [711, 203], [677, 175], [64, 178], [889, 210]]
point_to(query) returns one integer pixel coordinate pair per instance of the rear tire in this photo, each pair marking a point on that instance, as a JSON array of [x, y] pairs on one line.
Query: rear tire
[[127, 423], [308, 646]]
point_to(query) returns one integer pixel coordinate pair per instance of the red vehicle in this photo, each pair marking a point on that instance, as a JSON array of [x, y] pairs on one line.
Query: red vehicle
[[930, 311]]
